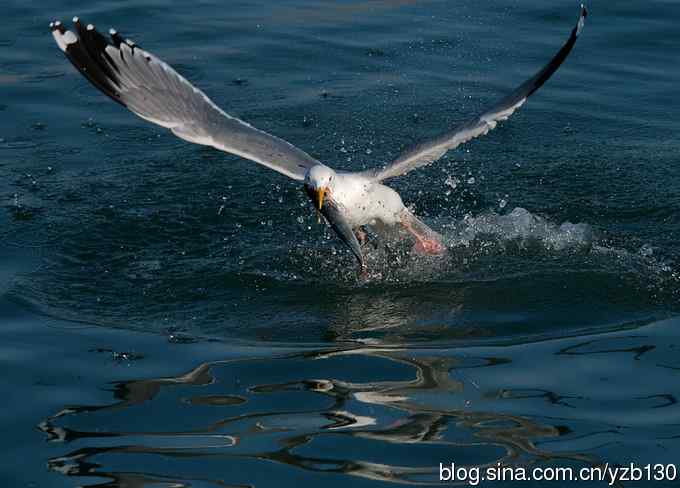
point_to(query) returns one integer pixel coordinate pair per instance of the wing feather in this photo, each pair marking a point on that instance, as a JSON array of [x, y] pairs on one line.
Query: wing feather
[[430, 151], [153, 90]]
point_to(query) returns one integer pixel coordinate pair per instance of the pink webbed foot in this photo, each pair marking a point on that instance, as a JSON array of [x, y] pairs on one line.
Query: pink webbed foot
[[427, 241], [431, 247]]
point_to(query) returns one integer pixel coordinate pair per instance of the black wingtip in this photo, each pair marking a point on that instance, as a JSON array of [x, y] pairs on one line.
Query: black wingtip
[[86, 49], [116, 38], [581, 20], [532, 84]]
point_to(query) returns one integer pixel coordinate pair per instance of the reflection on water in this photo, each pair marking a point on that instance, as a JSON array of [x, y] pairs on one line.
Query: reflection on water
[[395, 412], [378, 412]]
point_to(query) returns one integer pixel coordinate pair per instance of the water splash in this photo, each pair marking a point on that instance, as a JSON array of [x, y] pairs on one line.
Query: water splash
[[521, 227]]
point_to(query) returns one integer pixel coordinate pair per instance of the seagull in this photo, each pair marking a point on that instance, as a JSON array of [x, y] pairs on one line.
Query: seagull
[[351, 202]]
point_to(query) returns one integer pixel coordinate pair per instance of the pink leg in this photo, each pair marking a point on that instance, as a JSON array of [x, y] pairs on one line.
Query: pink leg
[[427, 240]]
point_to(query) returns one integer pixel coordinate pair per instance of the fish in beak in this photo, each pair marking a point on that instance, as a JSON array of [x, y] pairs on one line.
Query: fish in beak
[[339, 224], [329, 209]]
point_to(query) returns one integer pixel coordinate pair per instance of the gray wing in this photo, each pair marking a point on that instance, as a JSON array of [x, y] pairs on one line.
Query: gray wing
[[428, 152], [153, 90]]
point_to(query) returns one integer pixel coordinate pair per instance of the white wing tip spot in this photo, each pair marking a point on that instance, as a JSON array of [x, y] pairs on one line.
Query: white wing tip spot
[[70, 38]]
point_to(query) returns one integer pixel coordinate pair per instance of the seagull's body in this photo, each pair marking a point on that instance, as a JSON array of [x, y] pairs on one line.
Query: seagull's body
[[365, 202], [350, 201]]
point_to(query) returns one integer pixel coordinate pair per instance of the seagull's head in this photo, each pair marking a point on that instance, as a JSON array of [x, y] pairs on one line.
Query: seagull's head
[[319, 182]]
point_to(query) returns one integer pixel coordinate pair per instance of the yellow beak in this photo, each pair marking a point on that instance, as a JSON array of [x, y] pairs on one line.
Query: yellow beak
[[320, 194]]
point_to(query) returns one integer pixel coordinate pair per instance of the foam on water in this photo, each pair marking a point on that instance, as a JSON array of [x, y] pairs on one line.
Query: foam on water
[[522, 227]]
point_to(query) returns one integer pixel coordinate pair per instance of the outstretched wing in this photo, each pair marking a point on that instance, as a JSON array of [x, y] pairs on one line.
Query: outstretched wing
[[153, 90], [428, 152]]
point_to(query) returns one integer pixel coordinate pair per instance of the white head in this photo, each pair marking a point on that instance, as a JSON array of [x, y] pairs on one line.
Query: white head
[[318, 182]]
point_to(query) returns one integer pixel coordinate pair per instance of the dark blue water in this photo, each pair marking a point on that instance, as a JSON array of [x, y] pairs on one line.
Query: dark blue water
[[174, 316]]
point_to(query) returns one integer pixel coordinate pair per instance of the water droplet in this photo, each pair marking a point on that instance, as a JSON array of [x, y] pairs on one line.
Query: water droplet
[[452, 182]]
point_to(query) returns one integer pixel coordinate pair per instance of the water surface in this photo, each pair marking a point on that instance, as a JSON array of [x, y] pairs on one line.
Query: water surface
[[175, 316]]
